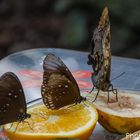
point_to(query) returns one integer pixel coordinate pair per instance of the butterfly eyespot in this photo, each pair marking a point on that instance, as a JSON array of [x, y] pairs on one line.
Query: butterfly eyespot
[[43, 92], [15, 96], [49, 100], [43, 89], [66, 86], [44, 78], [9, 94], [7, 105], [20, 90], [51, 105]]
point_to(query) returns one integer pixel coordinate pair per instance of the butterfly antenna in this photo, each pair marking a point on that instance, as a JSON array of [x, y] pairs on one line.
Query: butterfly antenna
[[118, 76], [34, 100]]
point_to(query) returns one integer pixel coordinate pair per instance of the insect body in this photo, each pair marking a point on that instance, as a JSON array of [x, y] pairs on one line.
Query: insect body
[[100, 57], [59, 88], [12, 100]]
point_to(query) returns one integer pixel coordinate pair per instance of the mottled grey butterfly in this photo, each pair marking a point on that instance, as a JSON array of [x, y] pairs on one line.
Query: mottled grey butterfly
[[100, 57]]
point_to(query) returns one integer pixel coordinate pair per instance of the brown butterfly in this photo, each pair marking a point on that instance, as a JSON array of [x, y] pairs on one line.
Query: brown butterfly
[[12, 100], [100, 57], [59, 88]]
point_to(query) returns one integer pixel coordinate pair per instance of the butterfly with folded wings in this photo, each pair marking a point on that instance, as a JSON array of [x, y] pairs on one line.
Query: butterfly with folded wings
[[12, 100], [100, 57], [59, 88]]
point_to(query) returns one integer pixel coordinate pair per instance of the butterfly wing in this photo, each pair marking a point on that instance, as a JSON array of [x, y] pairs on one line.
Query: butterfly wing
[[105, 24], [12, 100], [100, 58], [59, 87]]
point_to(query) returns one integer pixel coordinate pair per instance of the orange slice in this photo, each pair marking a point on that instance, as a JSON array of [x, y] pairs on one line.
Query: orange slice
[[122, 116], [77, 121]]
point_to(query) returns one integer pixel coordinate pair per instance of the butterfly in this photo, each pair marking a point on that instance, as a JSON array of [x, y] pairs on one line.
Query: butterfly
[[12, 100], [100, 57], [59, 88]]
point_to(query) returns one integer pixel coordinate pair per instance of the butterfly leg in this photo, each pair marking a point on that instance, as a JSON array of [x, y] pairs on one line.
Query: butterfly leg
[[96, 96], [40, 115], [108, 97], [28, 125], [89, 95], [91, 90], [115, 92], [16, 127], [92, 82], [11, 126]]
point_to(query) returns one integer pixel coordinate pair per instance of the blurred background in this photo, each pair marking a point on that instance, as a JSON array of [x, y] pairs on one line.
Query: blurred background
[[27, 24]]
